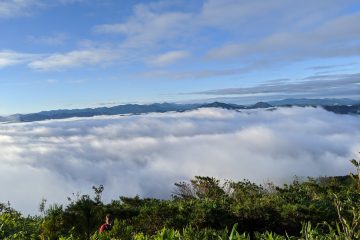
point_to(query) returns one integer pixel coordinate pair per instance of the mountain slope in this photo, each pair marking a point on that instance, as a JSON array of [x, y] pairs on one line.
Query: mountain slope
[[158, 108]]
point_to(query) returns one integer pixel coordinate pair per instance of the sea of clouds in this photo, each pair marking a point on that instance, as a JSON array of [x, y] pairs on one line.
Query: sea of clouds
[[146, 154]]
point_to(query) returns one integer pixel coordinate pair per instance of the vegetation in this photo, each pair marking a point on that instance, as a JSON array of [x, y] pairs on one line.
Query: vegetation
[[204, 208]]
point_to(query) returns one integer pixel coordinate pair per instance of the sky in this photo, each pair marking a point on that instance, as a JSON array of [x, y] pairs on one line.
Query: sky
[[88, 53], [146, 154]]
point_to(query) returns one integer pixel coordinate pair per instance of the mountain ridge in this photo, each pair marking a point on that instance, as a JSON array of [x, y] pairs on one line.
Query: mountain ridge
[[168, 107]]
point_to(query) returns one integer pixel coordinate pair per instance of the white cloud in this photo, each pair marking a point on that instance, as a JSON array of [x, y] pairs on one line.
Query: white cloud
[[333, 38], [152, 29], [229, 14], [248, 17], [9, 58], [60, 61], [16, 8], [13, 8], [146, 154], [150, 26], [78, 58], [168, 58], [259, 34]]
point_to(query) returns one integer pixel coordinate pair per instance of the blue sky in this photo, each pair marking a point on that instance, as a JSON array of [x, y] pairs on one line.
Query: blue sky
[[88, 53]]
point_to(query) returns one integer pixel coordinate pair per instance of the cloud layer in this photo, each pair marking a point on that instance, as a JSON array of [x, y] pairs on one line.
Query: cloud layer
[[336, 85], [146, 154]]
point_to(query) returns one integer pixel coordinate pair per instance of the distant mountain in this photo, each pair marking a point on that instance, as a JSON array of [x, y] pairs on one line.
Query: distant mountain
[[235, 106], [314, 102], [120, 109], [222, 105], [261, 105], [347, 109], [12, 118], [167, 107]]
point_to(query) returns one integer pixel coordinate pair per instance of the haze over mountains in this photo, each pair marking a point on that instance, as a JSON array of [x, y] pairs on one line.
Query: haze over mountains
[[341, 106]]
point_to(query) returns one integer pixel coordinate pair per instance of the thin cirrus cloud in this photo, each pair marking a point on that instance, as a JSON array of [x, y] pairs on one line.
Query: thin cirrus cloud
[[147, 28], [168, 58], [257, 38], [14, 8], [21, 8], [10, 58], [70, 1], [276, 16], [289, 36], [276, 32], [332, 39], [78, 58], [146, 154], [59, 61], [315, 84], [53, 40]]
